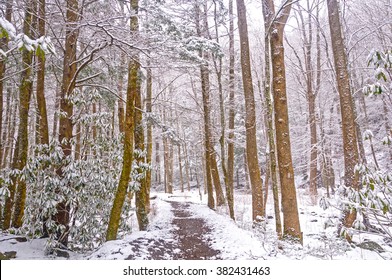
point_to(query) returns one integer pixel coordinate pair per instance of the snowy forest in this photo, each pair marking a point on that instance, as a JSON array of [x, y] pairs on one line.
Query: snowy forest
[[195, 129]]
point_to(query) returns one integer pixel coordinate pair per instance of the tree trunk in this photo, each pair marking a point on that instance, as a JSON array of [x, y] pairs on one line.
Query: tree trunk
[[250, 117], [350, 143], [180, 168], [3, 132], [142, 193], [11, 130], [78, 141], [120, 102], [149, 134], [157, 161], [179, 154], [40, 94], [6, 129], [230, 142], [205, 89], [115, 214], [3, 46], [6, 217], [56, 112], [168, 160], [133, 93], [346, 105], [218, 70], [270, 125], [187, 167], [220, 198], [286, 173], [25, 89], [165, 163], [66, 107]]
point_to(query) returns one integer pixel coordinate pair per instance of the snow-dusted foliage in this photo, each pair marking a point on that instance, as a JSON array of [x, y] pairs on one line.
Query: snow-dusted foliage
[[376, 191], [87, 185], [139, 169], [372, 203], [20, 41], [381, 61], [177, 37], [5, 182]]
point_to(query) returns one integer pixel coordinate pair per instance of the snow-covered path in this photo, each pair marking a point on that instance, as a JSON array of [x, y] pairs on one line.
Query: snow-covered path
[[183, 227], [182, 230]]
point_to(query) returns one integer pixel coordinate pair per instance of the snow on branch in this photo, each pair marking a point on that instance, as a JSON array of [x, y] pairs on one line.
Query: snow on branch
[[42, 45]]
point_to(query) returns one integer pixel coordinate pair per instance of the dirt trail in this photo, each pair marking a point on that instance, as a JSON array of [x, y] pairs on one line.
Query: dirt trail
[[190, 241]]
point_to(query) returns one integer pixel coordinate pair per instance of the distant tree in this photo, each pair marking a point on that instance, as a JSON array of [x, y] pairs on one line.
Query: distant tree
[[306, 26], [230, 142]]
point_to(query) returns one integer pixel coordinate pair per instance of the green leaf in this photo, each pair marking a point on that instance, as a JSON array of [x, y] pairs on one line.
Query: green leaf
[[3, 33], [381, 75]]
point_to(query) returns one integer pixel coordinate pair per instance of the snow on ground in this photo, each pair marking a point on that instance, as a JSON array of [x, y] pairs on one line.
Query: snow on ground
[[235, 240], [27, 249], [161, 217], [232, 241]]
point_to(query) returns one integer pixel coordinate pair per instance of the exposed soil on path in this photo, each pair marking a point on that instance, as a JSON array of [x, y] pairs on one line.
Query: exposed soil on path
[[190, 239]]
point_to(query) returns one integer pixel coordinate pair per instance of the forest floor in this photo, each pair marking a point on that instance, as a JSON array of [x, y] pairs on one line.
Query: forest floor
[[182, 227], [189, 239]]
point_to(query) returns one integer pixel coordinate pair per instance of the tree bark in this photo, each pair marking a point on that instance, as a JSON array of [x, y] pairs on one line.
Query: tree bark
[[250, 117], [230, 142], [270, 122], [3, 152], [142, 193], [3, 46], [66, 107], [56, 112], [157, 161], [7, 129], [350, 143], [187, 167], [286, 172], [40, 91], [8, 151], [205, 89], [25, 90], [149, 134], [133, 93]]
